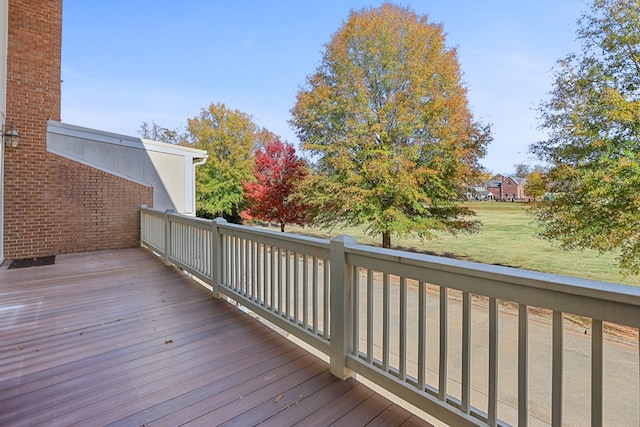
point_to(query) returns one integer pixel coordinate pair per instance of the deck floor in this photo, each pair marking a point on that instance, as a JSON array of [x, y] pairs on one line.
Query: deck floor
[[117, 337]]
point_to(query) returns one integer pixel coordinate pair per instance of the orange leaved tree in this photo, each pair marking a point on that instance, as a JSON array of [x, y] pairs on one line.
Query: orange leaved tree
[[387, 120]]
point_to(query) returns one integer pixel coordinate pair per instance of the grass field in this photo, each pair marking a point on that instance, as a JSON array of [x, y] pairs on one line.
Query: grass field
[[507, 237]]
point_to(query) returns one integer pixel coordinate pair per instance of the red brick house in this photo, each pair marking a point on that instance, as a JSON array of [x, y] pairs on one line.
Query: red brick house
[[507, 187], [513, 188]]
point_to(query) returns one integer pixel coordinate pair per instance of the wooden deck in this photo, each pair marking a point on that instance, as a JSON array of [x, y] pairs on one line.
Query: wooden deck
[[116, 337]]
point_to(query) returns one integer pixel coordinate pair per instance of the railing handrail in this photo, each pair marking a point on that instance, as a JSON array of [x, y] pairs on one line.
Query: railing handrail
[[609, 291], [524, 280], [321, 246]]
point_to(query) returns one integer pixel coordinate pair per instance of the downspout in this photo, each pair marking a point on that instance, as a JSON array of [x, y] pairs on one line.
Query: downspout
[[195, 164], [201, 162]]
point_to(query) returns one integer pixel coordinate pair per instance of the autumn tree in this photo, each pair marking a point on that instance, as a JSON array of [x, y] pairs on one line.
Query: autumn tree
[[272, 197], [484, 175], [536, 186], [593, 144], [229, 137], [264, 137], [387, 119], [521, 170]]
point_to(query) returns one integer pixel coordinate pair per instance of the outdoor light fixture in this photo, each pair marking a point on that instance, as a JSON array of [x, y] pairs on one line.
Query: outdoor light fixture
[[11, 137]]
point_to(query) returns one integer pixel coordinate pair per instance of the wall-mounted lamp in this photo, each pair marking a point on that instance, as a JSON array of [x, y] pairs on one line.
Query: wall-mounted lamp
[[11, 137]]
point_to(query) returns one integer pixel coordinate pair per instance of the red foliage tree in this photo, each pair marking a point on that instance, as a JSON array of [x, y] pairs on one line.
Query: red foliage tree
[[271, 197]]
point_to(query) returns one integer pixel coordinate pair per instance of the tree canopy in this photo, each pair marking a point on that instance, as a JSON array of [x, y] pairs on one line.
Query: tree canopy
[[387, 119], [272, 197], [155, 132], [229, 137], [536, 186], [593, 123]]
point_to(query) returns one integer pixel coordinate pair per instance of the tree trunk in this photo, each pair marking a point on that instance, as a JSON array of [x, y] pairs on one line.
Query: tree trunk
[[386, 240], [282, 227]]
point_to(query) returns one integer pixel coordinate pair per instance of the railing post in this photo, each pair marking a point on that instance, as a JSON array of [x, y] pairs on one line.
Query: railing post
[[216, 256], [142, 225], [167, 235], [340, 306]]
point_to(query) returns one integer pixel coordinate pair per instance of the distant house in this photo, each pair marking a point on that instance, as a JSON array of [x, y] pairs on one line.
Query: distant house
[[507, 187], [494, 186], [479, 192], [513, 188]]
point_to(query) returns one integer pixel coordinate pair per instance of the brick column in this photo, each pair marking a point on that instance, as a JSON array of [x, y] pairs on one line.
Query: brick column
[[33, 96]]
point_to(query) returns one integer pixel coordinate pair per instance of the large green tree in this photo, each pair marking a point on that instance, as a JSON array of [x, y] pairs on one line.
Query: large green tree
[[387, 120], [229, 137], [593, 123]]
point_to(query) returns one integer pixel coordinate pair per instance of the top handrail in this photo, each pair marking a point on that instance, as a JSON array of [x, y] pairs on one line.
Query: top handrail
[[608, 291], [293, 241]]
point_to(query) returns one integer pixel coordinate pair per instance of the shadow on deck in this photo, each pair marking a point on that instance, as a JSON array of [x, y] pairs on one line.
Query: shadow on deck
[[118, 337]]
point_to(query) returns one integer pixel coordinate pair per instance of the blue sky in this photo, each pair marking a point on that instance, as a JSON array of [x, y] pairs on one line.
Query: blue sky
[[125, 62]]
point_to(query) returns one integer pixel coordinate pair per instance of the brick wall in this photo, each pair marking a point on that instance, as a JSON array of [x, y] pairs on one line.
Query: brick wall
[[511, 189], [99, 211], [53, 205]]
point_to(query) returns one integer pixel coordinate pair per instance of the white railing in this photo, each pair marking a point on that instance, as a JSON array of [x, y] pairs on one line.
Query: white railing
[[282, 277], [456, 339]]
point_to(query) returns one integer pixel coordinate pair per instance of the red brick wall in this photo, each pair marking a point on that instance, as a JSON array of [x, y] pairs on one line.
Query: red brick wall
[[53, 205], [99, 211], [511, 190]]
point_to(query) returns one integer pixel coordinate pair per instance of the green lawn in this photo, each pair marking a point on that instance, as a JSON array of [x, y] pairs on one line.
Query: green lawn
[[507, 237]]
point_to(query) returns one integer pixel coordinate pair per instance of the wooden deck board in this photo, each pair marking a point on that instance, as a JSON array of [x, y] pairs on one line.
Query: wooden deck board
[[116, 337], [338, 408], [315, 401]]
